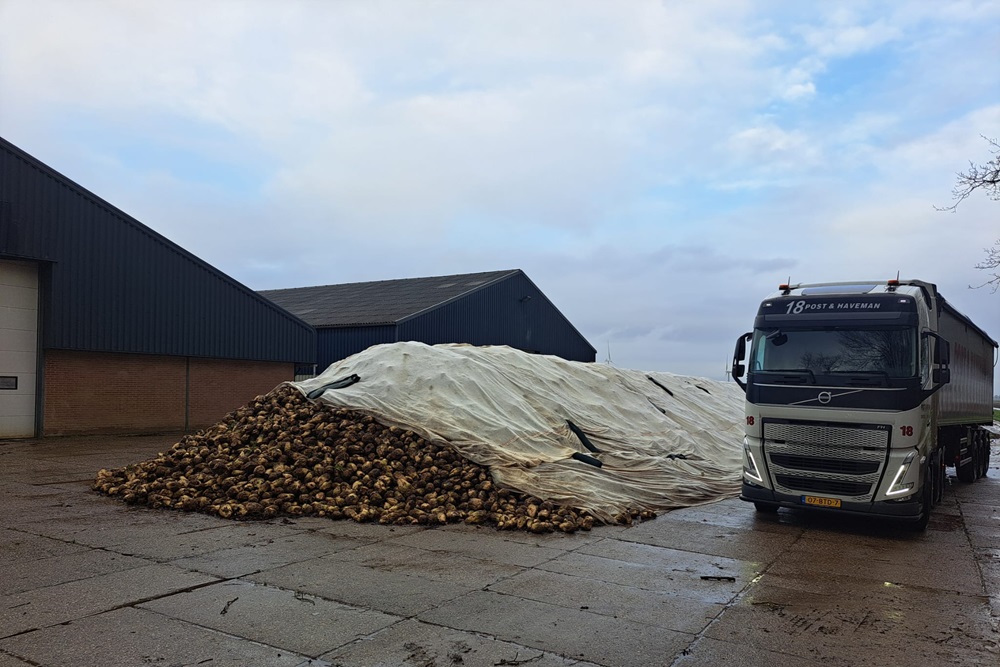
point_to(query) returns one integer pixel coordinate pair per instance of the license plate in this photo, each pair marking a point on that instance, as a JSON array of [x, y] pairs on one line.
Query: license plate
[[819, 501]]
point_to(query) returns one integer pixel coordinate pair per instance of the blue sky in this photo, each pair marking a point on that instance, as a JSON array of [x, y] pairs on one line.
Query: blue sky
[[656, 168]]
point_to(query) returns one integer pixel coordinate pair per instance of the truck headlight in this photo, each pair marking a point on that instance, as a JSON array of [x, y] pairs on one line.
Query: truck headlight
[[750, 468], [898, 487]]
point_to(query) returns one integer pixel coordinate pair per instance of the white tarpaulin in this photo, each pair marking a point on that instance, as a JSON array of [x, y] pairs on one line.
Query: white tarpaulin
[[664, 440]]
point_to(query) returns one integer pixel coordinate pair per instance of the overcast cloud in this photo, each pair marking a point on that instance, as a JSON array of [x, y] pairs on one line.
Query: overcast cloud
[[656, 168]]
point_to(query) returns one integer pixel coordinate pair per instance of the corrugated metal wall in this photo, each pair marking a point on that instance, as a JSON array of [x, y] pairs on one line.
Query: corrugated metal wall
[[510, 312], [341, 342], [111, 284], [498, 314]]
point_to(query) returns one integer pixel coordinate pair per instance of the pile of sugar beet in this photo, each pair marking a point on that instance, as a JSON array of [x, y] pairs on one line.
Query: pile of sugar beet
[[282, 455]]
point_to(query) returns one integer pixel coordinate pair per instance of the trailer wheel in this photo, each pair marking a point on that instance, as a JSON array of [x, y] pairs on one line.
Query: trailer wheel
[[986, 454], [968, 472], [983, 442], [977, 454]]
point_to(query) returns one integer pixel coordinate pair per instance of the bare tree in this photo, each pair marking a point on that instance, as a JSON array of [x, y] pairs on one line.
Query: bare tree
[[985, 177]]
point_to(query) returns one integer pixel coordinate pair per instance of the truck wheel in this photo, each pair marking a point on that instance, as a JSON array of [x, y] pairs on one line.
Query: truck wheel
[[765, 508], [984, 452], [986, 456], [934, 477], [977, 454], [942, 477], [967, 472], [926, 499]]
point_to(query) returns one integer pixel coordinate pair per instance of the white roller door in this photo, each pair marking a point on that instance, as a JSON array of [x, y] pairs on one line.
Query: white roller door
[[18, 348]]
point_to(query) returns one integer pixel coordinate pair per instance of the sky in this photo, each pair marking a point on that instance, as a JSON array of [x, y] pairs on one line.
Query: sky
[[655, 168]]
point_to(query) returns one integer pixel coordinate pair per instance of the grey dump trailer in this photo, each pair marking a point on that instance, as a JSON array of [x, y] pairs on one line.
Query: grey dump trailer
[[860, 395]]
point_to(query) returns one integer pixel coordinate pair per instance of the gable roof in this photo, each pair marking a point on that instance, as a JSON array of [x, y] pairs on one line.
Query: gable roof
[[116, 285], [379, 302]]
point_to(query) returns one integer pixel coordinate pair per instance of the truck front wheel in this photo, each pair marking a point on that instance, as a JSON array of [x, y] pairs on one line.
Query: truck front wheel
[[926, 497], [936, 477]]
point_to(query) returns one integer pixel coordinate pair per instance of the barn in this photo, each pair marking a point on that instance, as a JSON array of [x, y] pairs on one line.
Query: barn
[[107, 326], [486, 308]]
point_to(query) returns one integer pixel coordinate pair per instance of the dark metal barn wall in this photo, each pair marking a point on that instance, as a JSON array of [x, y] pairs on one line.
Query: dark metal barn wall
[[336, 343], [510, 312], [112, 284]]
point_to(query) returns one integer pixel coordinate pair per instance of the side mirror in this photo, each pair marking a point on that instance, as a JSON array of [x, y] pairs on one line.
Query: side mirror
[[942, 352], [940, 357], [941, 375], [739, 368]]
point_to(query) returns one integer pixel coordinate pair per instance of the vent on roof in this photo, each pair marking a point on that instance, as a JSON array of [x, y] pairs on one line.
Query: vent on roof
[[446, 285], [475, 282]]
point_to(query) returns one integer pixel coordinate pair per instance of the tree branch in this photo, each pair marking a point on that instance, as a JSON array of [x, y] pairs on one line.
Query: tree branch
[[985, 177], [982, 176]]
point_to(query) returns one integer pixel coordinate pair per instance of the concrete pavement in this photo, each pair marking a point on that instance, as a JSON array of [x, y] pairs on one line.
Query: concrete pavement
[[86, 580]]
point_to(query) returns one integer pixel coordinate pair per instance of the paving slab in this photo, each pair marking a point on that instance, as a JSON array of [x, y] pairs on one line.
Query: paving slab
[[989, 567], [18, 546], [372, 532], [7, 660], [468, 541], [708, 652], [23, 501], [696, 576], [984, 539], [43, 607], [115, 522], [304, 624], [131, 637], [424, 645], [25, 574], [702, 533], [573, 633], [891, 622], [662, 609], [940, 565], [395, 593], [740, 515], [268, 553], [162, 536], [443, 566]]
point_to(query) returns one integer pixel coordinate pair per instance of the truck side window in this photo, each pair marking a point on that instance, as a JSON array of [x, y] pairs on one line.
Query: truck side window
[[925, 360]]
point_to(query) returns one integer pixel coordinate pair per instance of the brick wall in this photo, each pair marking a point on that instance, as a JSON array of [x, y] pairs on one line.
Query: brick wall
[[98, 392], [221, 385]]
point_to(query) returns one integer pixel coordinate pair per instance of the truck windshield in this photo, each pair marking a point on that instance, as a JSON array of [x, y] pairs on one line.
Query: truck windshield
[[889, 352]]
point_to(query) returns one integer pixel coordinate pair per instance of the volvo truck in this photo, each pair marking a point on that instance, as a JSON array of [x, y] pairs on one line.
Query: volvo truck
[[860, 395]]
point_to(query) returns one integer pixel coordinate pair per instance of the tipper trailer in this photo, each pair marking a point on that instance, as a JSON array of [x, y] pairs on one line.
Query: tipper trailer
[[859, 395]]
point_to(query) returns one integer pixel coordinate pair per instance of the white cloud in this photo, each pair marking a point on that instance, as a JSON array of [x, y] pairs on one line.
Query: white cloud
[[655, 167], [767, 148]]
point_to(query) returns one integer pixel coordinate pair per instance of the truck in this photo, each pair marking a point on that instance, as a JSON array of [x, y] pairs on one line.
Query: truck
[[859, 396]]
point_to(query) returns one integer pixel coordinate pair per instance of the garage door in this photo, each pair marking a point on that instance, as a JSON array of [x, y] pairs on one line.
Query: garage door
[[18, 348]]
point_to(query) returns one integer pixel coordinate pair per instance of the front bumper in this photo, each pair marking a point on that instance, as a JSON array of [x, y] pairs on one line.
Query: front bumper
[[905, 510]]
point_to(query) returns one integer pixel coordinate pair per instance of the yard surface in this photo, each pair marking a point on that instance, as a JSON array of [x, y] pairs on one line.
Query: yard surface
[[89, 581]]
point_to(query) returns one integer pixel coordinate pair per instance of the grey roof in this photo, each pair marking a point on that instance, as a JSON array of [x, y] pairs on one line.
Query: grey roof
[[379, 302]]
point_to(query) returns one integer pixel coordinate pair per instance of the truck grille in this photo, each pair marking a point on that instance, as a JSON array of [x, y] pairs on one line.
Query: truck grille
[[806, 457]]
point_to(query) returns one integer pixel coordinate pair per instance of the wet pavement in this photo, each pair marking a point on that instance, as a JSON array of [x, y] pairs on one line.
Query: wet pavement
[[86, 580]]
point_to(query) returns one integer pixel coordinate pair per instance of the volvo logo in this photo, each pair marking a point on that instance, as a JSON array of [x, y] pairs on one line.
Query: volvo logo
[[825, 397]]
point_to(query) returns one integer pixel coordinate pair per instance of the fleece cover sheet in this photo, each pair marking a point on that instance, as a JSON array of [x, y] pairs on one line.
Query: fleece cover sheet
[[662, 440]]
